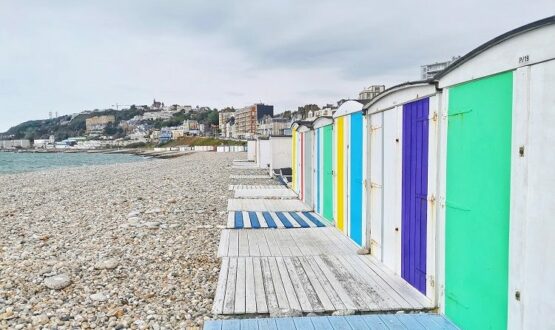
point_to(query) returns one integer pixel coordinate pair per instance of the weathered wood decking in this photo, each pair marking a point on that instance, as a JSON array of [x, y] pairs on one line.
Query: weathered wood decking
[[257, 186], [279, 256], [284, 243], [249, 176], [265, 193], [352, 322], [270, 205], [259, 219], [325, 283]]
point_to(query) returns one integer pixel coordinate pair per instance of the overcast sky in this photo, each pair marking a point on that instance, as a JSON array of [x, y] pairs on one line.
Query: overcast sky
[[68, 56]]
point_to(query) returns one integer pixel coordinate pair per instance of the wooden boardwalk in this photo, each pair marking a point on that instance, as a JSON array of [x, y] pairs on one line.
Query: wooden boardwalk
[[279, 193], [258, 219], [284, 243], [326, 283], [418, 321], [249, 176], [270, 205], [257, 186]]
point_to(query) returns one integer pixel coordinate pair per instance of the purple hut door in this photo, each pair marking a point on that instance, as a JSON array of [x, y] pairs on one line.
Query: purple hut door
[[415, 193]]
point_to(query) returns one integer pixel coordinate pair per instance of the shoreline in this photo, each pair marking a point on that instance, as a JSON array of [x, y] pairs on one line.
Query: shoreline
[[166, 154]]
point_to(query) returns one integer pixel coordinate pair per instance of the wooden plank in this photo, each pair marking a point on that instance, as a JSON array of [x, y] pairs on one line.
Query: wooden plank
[[240, 287], [231, 325], [285, 323], [321, 322], [351, 283], [246, 220], [269, 324], [274, 205], [250, 293], [339, 322], [305, 292], [271, 297], [263, 243], [230, 220], [262, 220], [272, 243], [260, 293], [357, 322], [276, 219], [233, 249], [375, 322], [218, 304], [281, 295], [341, 242], [253, 238], [392, 322], [337, 286], [384, 297], [318, 287], [249, 324], [410, 322], [324, 281], [249, 176], [303, 323], [213, 325], [294, 248], [224, 243], [287, 285], [431, 321], [243, 242], [229, 300], [415, 298]]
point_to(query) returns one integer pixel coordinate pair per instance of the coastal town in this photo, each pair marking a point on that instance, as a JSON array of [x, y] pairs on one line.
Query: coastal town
[[157, 124]]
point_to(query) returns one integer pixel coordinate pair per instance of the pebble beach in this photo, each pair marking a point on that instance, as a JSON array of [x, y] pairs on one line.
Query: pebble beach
[[113, 246]]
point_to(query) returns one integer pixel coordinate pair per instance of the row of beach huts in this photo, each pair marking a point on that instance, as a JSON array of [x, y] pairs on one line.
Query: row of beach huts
[[449, 182]]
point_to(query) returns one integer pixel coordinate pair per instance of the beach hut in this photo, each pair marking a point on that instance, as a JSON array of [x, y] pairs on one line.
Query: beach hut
[[498, 104], [251, 150], [307, 162], [295, 159], [263, 153], [280, 152], [299, 130], [348, 146], [323, 167], [401, 142]]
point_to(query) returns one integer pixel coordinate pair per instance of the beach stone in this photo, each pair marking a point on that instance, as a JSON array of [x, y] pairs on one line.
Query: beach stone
[[98, 297], [40, 319], [285, 313], [152, 224], [344, 312], [57, 282], [153, 211], [91, 214], [133, 214], [110, 263]]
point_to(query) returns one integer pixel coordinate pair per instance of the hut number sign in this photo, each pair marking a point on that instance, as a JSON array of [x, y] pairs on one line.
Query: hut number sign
[[524, 59]]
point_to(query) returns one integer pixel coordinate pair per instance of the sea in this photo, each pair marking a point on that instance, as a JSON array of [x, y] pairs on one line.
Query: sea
[[16, 162]]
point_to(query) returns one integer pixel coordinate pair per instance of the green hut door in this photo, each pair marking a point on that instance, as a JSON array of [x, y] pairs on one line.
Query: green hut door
[[328, 172], [478, 201]]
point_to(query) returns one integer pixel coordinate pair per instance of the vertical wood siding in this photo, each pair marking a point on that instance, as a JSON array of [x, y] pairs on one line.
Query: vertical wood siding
[[477, 202], [415, 193]]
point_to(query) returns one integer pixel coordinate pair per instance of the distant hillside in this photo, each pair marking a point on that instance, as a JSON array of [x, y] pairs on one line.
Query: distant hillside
[[65, 126], [70, 126]]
